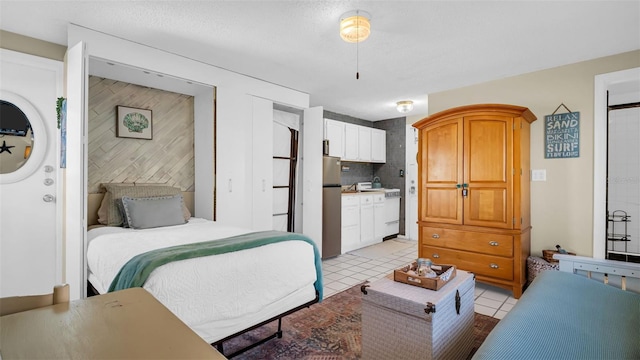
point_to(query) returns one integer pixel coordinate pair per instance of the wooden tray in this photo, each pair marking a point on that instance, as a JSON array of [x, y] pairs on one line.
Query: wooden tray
[[435, 283], [548, 255]]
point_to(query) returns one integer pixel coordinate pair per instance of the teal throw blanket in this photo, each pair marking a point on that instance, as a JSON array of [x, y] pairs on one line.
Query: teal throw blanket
[[136, 271]]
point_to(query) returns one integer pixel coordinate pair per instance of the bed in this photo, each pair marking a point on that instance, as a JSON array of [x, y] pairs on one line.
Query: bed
[[579, 312], [218, 295]]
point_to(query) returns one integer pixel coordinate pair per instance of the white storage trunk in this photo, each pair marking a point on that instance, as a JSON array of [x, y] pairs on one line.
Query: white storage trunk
[[395, 324]]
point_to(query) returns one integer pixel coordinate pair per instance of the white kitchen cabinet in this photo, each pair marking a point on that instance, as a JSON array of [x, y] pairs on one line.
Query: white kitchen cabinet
[[392, 216], [350, 223], [379, 217], [366, 220], [364, 144], [363, 220], [378, 146], [351, 142], [335, 133], [355, 143]]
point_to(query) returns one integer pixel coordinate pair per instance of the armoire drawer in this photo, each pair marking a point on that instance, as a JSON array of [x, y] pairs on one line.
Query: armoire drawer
[[487, 265], [491, 244]]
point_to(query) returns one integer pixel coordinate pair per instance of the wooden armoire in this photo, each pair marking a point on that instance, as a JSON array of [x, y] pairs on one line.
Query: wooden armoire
[[474, 191]]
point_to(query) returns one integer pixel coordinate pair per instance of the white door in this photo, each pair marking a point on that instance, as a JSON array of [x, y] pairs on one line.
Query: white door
[[30, 241], [312, 126], [262, 164], [233, 158], [75, 174], [411, 195]]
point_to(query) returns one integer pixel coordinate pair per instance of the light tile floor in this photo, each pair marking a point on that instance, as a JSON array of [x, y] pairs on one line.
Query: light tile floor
[[347, 270]]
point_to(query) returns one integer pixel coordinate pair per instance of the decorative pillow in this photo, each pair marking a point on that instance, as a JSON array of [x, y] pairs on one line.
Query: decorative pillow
[[114, 215], [106, 201], [120, 205], [151, 212], [185, 210]]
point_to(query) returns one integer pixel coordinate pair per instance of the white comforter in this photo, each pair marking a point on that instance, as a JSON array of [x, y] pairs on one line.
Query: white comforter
[[215, 295]]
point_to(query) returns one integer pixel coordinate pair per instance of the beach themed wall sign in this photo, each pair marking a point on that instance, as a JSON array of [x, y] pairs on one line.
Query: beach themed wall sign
[[562, 134]]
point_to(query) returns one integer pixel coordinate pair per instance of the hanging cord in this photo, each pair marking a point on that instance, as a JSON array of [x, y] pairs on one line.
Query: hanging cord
[[559, 106], [357, 43]]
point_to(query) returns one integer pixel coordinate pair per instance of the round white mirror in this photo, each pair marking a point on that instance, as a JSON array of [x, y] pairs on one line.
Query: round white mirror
[[23, 138]]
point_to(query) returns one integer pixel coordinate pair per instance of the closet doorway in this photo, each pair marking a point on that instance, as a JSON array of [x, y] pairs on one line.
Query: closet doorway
[[623, 182], [610, 89], [286, 137]]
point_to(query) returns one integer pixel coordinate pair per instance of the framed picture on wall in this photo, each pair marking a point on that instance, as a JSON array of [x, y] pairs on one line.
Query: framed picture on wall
[[134, 123]]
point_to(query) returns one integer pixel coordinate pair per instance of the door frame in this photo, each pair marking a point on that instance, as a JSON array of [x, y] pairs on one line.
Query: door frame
[[602, 84]]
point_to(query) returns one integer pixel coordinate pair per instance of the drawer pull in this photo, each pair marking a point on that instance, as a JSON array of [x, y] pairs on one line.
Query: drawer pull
[[493, 266], [493, 243], [435, 236], [436, 256]]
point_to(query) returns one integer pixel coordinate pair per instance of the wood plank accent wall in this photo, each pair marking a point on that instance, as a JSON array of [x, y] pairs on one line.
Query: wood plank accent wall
[[167, 159]]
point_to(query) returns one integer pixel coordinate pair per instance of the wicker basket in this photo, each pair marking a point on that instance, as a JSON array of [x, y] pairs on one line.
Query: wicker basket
[[548, 255]]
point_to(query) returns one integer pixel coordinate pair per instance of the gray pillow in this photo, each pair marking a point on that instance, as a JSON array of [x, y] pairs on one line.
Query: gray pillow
[[115, 217], [151, 212]]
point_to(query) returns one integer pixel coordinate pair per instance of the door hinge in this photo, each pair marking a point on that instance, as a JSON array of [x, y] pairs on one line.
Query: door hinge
[[514, 221], [513, 171]]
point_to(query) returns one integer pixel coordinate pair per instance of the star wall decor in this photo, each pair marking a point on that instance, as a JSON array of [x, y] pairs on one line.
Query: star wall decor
[[6, 148]]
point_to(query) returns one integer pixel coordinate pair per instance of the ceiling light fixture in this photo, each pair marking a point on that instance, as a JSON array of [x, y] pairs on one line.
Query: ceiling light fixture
[[355, 27], [404, 106]]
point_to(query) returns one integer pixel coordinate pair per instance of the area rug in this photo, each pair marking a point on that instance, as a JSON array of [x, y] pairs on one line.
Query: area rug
[[330, 330], [382, 249]]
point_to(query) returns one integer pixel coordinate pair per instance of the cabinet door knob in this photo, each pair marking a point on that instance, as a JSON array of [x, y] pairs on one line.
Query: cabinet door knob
[[493, 243], [493, 266], [435, 236], [436, 256]]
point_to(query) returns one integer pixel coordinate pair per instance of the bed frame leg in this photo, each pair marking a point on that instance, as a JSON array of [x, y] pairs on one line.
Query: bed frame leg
[[279, 332]]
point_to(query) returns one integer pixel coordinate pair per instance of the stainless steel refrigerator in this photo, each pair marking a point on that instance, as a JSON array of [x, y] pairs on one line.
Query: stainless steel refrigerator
[[331, 207]]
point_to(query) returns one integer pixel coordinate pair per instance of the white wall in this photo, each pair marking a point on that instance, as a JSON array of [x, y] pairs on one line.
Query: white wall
[[563, 208]]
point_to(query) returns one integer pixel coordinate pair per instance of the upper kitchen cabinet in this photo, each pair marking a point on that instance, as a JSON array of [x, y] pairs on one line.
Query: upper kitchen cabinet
[[364, 144], [378, 146], [355, 143], [334, 133], [351, 148]]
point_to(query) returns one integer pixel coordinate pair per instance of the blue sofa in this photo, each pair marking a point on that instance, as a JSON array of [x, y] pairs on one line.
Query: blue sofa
[[563, 315]]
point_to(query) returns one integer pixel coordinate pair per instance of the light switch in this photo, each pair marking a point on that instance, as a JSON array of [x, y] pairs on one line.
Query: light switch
[[539, 175]]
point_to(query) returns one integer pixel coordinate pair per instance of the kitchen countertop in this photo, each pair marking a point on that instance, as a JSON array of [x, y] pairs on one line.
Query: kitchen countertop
[[368, 192]]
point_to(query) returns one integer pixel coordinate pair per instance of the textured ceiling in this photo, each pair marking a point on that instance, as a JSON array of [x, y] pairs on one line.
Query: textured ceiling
[[415, 47]]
